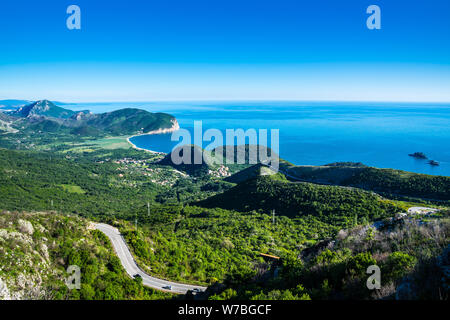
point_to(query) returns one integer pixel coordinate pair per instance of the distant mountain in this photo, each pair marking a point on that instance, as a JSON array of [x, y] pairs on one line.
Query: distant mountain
[[45, 116], [43, 108]]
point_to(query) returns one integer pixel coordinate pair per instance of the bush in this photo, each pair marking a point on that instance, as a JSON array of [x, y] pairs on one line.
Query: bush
[[397, 265]]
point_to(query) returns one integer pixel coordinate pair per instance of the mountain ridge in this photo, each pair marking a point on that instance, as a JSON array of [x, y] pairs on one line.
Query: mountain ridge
[[44, 114], [44, 108]]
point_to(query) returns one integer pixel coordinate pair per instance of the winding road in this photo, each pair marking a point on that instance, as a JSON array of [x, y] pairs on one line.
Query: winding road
[[128, 262]]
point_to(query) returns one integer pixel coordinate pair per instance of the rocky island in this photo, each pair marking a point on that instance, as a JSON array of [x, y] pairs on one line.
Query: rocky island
[[418, 155]]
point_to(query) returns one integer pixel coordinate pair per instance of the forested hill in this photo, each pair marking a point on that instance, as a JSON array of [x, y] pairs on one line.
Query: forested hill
[[387, 181], [45, 116], [331, 204], [189, 154], [128, 121]]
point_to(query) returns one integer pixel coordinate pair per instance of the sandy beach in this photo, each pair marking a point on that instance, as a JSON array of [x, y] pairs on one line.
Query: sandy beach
[[175, 127]]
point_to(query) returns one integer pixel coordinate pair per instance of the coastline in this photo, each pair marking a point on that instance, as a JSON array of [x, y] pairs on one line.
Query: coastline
[[175, 127]]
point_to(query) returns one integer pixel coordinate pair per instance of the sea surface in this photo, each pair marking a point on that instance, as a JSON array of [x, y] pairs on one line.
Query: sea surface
[[316, 133]]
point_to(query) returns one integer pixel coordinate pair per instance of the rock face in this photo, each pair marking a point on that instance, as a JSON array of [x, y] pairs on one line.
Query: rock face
[[26, 227], [43, 108], [175, 127], [45, 253], [4, 291]]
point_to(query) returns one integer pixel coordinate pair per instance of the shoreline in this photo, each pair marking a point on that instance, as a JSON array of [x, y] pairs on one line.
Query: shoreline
[[175, 127], [141, 149]]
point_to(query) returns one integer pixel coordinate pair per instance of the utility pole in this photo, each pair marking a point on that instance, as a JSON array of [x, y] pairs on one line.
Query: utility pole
[[148, 209], [273, 216], [135, 221]]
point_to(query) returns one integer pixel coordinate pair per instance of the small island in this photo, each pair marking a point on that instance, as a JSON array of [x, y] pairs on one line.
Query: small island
[[433, 163], [418, 155]]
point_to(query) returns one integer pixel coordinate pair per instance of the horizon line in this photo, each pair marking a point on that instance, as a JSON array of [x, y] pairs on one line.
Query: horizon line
[[232, 100]]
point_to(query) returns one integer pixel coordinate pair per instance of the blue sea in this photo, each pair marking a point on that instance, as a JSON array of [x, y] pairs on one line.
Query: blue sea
[[316, 133]]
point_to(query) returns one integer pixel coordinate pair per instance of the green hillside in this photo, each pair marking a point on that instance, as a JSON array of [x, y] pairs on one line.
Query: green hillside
[[45, 116], [389, 181], [43, 108], [129, 121], [331, 204], [46, 125]]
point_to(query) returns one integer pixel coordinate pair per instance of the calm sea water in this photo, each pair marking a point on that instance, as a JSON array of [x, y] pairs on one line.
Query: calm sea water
[[315, 133]]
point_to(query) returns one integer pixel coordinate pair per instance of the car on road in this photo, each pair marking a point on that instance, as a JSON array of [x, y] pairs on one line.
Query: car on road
[[167, 287], [196, 290]]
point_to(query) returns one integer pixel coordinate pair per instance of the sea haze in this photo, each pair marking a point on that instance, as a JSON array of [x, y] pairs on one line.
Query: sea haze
[[316, 133]]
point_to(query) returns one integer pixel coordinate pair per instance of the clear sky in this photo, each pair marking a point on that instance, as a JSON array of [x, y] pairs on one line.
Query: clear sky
[[225, 49]]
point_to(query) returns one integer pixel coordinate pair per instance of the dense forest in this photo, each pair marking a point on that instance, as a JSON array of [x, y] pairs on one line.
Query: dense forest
[[413, 256], [331, 204]]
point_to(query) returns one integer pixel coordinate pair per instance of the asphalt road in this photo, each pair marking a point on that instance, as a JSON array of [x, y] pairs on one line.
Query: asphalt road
[[127, 260]]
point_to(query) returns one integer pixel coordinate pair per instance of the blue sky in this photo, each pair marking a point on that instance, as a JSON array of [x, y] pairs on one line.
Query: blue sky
[[232, 49]]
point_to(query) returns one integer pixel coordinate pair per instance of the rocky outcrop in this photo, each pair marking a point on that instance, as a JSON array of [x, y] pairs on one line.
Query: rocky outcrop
[[175, 126], [4, 291], [26, 227]]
